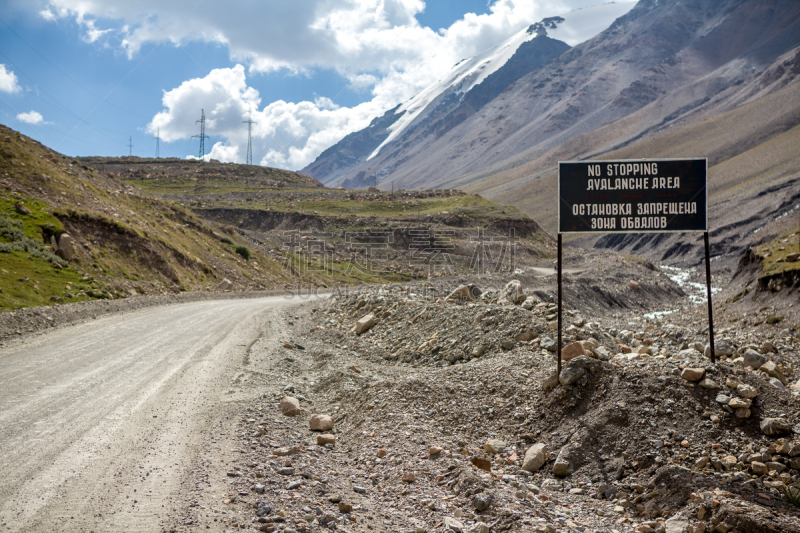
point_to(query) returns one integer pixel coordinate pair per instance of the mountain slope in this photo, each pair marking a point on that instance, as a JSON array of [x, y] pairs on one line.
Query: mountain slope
[[679, 59], [469, 85]]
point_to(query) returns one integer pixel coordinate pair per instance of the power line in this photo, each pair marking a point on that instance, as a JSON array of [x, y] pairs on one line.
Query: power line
[[202, 135], [249, 123], [130, 146]]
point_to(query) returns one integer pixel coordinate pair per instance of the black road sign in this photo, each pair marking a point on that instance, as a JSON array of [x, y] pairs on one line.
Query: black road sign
[[633, 196]]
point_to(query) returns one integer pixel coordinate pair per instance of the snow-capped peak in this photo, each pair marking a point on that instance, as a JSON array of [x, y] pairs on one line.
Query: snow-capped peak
[[573, 28]]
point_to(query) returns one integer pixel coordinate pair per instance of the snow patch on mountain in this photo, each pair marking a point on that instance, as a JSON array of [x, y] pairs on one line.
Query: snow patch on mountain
[[573, 28]]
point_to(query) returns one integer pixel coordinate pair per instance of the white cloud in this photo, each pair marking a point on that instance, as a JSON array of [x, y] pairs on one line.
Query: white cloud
[[286, 135], [377, 45], [47, 15], [8, 80], [32, 117]]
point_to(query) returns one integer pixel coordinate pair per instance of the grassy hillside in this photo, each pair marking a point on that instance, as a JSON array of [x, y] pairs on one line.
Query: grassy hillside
[[127, 241]]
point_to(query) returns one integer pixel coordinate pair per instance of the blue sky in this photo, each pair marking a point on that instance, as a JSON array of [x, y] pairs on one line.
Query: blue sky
[[84, 76]]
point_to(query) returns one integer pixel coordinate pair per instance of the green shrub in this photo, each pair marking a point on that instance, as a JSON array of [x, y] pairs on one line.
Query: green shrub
[[772, 319], [226, 240], [791, 494], [11, 231], [243, 251]]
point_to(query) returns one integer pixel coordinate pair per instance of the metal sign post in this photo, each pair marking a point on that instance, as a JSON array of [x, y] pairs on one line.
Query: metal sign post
[[708, 294], [558, 275], [634, 196]]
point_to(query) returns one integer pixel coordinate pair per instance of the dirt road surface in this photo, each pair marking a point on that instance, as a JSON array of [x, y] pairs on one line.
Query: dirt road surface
[[102, 423]]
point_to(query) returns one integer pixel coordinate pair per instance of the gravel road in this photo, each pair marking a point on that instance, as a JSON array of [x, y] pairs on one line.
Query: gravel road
[[102, 423]]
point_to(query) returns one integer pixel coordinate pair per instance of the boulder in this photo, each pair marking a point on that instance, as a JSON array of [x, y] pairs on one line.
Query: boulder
[[693, 374], [224, 285], [754, 359], [548, 344], [573, 350], [464, 293], [535, 457], [512, 293], [676, 524], [321, 423], [775, 426], [525, 336], [772, 370], [326, 438], [602, 353], [507, 344], [21, 209], [66, 248], [452, 523], [570, 375], [739, 403], [575, 369], [480, 527], [494, 446], [721, 349], [775, 382], [365, 323], [290, 406], [482, 501], [634, 284], [563, 465], [746, 391]]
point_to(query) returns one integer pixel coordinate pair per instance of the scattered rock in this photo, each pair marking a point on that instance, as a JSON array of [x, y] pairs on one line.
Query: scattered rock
[[365, 323], [512, 293], [464, 293], [775, 426], [452, 523], [321, 423], [571, 375], [535, 457], [481, 462], [290, 406], [409, 477], [326, 438], [481, 501], [224, 285], [563, 465], [66, 248], [746, 391], [548, 344], [693, 374], [21, 209], [754, 359], [494, 446], [573, 350]]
